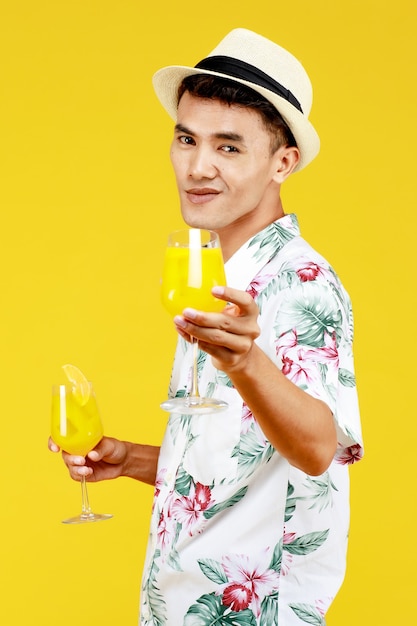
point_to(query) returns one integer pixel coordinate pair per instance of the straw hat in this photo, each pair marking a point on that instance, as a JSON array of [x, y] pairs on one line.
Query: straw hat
[[248, 58]]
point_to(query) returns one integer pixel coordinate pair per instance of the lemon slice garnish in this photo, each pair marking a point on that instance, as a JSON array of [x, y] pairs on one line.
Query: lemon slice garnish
[[80, 384]]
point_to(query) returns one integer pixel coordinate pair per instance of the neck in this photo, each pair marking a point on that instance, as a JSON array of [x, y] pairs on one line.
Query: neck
[[233, 236]]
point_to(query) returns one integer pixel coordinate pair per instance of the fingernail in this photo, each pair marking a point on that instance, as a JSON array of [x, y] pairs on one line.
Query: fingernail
[[180, 321], [218, 290], [190, 313]]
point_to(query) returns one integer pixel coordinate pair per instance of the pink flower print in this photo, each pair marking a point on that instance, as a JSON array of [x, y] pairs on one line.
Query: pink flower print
[[188, 510], [247, 419], [300, 371], [286, 562], [158, 484], [202, 495], [288, 538], [165, 532], [287, 557], [322, 606], [349, 455], [287, 364], [286, 341], [310, 271], [299, 363], [328, 353], [237, 597], [258, 283], [159, 480], [252, 574]]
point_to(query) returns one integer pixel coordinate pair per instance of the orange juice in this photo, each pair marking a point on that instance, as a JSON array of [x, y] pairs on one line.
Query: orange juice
[[76, 428], [188, 277]]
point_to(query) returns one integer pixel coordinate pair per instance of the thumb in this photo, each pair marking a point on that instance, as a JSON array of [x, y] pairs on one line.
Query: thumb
[[109, 450], [52, 445]]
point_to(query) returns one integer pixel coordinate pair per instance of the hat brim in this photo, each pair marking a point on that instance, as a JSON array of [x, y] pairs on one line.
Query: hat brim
[[167, 80]]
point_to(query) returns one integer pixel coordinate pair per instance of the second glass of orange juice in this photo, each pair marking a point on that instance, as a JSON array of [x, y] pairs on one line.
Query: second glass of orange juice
[[193, 266]]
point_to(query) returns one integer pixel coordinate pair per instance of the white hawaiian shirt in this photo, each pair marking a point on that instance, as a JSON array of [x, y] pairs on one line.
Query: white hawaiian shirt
[[239, 536]]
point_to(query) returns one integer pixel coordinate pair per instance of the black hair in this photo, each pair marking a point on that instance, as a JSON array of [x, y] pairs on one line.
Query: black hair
[[230, 92]]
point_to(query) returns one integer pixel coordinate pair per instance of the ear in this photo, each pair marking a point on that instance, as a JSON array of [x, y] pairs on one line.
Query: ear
[[287, 158]]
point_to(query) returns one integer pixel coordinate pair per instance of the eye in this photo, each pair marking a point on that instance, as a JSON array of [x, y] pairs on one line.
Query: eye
[[229, 149], [187, 140]]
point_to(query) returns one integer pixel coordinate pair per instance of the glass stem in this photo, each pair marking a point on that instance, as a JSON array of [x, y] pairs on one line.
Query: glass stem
[[194, 393], [86, 510]]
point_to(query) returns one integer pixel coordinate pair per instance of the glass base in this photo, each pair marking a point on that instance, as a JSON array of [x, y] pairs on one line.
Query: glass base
[[193, 405], [86, 518]]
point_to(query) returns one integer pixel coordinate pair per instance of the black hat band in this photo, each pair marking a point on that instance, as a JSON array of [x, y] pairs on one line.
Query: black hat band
[[245, 71]]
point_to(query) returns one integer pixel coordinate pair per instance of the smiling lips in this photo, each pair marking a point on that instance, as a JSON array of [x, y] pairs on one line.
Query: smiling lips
[[201, 195]]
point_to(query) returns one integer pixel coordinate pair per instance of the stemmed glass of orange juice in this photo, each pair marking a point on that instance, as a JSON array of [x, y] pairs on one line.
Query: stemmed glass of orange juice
[[193, 266], [76, 427]]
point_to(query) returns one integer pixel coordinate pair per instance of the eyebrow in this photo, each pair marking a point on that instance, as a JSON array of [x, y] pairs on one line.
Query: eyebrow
[[228, 136]]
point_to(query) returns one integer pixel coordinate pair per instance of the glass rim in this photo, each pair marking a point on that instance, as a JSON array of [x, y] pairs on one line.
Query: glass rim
[[213, 237], [68, 385]]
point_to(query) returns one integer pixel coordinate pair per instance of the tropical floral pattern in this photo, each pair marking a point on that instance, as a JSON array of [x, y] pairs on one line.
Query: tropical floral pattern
[[238, 536]]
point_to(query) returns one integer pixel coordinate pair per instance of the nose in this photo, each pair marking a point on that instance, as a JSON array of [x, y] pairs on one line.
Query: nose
[[202, 164]]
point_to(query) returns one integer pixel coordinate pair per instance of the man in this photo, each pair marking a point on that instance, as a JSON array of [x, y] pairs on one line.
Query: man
[[251, 510]]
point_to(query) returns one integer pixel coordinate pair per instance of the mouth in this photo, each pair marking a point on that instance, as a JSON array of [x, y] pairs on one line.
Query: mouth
[[201, 195]]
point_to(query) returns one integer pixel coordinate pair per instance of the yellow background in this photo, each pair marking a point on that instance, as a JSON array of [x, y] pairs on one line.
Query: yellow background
[[87, 198]]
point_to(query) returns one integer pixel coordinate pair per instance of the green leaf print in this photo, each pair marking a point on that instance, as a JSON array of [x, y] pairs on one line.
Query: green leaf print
[[270, 289], [223, 379], [321, 491], [311, 313], [183, 482], [221, 506], [307, 543], [276, 560], [308, 614], [173, 558], [346, 378], [269, 610], [209, 393], [320, 494], [339, 294], [290, 508], [178, 423], [276, 284], [201, 359], [251, 452], [156, 603], [209, 611], [213, 570], [272, 239], [290, 502], [323, 369]]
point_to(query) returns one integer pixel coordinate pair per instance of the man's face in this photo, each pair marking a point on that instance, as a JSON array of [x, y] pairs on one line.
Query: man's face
[[223, 165]]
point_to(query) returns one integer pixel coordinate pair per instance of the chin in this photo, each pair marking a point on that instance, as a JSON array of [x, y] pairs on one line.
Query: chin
[[195, 221], [201, 219]]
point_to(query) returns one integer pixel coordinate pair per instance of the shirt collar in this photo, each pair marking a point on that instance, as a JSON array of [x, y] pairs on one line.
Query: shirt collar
[[259, 249]]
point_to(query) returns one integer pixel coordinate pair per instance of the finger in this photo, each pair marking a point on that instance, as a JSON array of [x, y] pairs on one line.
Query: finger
[[181, 326], [222, 344], [212, 327], [109, 450], [235, 296], [72, 459], [53, 447], [104, 448], [76, 466]]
